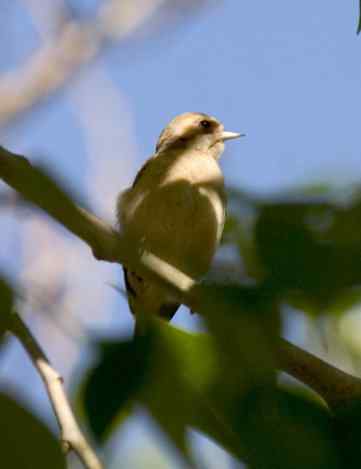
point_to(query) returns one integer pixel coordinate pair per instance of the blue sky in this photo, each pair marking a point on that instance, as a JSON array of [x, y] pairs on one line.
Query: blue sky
[[285, 73], [288, 74]]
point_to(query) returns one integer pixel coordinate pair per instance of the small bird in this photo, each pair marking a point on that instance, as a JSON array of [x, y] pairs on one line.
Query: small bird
[[176, 207]]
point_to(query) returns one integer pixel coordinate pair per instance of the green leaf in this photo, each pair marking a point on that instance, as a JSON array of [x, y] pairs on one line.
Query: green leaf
[[113, 383], [168, 371], [280, 430], [26, 443], [187, 388], [245, 324], [181, 386], [183, 364], [305, 244], [310, 250]]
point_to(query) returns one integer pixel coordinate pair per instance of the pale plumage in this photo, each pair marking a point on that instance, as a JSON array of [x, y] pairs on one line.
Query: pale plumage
[[176, 206]]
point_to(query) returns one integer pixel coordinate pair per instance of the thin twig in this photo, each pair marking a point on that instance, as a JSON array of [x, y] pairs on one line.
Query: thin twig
[[332, 384], [71, 436]]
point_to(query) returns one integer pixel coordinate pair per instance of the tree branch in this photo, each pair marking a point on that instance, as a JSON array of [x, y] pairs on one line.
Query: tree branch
[[71, 435], [76, 44], [335, 386]]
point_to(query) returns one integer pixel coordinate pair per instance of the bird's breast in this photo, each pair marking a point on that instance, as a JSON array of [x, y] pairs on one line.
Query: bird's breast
[[178, 211]]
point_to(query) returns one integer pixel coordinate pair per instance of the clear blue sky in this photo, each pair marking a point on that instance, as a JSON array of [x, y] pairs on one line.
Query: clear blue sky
[[288, 74]]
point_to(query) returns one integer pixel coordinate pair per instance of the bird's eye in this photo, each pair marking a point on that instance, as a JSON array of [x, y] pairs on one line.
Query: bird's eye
[[205, 124]]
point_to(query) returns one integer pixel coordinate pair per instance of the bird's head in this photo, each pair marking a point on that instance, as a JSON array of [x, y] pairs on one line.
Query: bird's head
[[195, 130]]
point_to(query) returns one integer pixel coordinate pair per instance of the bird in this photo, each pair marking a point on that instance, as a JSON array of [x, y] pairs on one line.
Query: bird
[[176, 207]]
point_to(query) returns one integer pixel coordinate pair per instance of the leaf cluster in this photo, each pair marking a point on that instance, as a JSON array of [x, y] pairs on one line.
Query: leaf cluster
[[301, 251]]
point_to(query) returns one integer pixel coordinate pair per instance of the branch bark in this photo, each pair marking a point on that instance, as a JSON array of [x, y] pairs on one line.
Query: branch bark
[[335, 386], [71, 435]]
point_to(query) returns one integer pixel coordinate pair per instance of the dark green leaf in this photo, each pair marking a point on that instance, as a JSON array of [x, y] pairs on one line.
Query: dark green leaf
[[113, 384], [6, 304], [348, 431], [169, 374], [25, 443], [280, 430], [245, 324], [183, 365]]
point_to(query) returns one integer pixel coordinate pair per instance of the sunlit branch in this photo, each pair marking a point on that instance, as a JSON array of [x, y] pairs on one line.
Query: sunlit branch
[[71, 435]]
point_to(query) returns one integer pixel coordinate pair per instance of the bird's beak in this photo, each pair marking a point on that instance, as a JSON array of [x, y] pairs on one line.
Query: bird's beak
[[230, 135]]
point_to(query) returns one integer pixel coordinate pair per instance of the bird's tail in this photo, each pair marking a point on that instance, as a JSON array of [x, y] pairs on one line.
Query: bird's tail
[[146, 299]]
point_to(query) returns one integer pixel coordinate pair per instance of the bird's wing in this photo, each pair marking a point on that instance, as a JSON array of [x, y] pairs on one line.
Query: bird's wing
[[125, 196], [143, 170], [121, 207]]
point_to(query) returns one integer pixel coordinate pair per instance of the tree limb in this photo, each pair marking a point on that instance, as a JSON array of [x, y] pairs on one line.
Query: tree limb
[[76, 44], [335, 386], [71, 435]]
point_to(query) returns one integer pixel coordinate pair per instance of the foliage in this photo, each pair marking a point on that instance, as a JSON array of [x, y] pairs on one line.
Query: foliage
[[194, 380], [25, 442], [295, 250], [302, 248]]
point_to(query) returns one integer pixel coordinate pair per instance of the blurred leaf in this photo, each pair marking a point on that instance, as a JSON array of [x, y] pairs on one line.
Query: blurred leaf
[[242, 210], [348, 431], [114, 382], [184, 365], [6, 304], [25, 442], [280, 430], [245, 324], [238, 353], [173, 377], [164, 370], [240, 234], [222, 384], [359, 20], [305, 245], [6, 295], [305, 255], [346, 300]]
